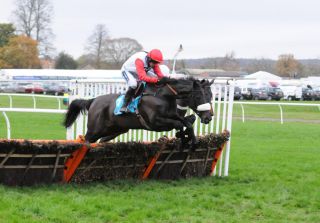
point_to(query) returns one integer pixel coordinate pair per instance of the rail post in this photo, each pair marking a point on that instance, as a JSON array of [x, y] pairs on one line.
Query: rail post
[[281, 114], [8, 125], [242, 108], [34, 102], [10, 100]]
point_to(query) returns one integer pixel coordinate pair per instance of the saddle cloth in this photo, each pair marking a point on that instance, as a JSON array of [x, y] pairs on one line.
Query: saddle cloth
[[132, 107]]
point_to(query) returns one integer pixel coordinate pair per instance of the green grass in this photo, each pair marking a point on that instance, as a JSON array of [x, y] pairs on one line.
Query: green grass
[[273, 111], [274, 177], [27, 102], [33, 126]]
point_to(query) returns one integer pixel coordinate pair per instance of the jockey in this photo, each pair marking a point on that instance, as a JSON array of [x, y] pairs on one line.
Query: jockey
[[141, 66]]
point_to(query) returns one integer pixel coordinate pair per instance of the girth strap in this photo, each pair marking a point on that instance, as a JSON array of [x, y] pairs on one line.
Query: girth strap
[[141, 120]]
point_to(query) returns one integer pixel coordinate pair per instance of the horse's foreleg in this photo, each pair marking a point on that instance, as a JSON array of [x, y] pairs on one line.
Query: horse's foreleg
[[167, 124], [187, 122], [181, 133]]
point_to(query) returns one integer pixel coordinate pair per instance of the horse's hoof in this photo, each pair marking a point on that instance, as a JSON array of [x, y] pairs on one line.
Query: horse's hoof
[[179, 134], [163, 139], [192, 119]]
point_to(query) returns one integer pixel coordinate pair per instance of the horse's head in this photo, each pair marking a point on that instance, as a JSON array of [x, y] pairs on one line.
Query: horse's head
[[200, 102]]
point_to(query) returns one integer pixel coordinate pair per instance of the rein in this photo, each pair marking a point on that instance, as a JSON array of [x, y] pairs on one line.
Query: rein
[[172, 89]]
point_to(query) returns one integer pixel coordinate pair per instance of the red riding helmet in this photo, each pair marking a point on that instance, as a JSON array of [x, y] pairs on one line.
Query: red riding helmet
[[156, 55]]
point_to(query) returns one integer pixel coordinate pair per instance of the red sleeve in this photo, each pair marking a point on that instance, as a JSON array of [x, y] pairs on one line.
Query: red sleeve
[[142, 73], [157, 71]]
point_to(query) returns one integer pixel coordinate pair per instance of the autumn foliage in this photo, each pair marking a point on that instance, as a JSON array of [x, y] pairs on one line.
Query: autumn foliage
[[287, 65], [20, 52]]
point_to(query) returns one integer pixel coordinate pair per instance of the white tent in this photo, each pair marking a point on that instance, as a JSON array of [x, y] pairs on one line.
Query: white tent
[[263, 75]]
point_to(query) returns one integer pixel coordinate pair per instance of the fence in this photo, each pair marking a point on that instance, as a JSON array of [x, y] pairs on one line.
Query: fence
[[25, 110], [34, 96], [222, 106], [279, 104]]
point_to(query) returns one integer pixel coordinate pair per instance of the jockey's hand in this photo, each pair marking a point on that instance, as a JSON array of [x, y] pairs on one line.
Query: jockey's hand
[[162, 81]]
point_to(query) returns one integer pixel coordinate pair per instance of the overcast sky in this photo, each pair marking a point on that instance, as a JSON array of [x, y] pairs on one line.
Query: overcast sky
[[206, 28]]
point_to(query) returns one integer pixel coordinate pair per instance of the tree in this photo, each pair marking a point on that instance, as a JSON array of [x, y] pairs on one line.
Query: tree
[[20, 52], [6, 32], [86, 61], [259, 65], [119, 50], [33, 19], [96, 45], [229, 62], [288, 66], [65, 61]]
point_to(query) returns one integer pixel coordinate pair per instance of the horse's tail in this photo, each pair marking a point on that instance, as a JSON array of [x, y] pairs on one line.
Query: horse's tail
[[76, 106]]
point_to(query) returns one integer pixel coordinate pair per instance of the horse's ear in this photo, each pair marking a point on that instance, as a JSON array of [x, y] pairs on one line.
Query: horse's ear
[[204, 82], [211, 82]]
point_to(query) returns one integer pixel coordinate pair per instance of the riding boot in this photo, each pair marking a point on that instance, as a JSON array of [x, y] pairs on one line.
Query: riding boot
[[127, 100]]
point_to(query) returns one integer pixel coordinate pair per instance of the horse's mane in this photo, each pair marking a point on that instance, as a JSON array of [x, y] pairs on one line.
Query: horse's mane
[[191, 78]]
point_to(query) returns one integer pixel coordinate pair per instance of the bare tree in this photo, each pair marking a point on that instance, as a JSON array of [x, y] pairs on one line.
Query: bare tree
[[288, 66], [229, 62], [119, 50], [33, 18], [96, 45], [261, 64]]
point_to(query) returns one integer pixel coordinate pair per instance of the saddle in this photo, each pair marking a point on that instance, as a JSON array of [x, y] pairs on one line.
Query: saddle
[[133, 105]]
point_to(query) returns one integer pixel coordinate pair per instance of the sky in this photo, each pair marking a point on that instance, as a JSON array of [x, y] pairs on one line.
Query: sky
[[205, 28]]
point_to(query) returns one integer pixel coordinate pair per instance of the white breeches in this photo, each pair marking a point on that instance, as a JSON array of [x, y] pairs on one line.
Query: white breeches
[[130, 79]]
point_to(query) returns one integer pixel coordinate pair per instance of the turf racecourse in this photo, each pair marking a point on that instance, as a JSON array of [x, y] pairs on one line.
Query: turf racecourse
[[274, 177]]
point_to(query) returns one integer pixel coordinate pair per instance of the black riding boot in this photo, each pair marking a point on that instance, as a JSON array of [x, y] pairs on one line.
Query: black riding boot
[[127, 100]]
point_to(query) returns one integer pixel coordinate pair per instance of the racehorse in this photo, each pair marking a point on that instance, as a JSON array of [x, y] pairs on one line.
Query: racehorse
[[157, 111]]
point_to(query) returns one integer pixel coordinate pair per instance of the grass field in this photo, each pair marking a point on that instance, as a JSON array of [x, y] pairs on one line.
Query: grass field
[[273, 111], [274, 177]]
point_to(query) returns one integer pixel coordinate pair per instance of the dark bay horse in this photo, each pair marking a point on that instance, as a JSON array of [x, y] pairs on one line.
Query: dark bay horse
[[157, 112]]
